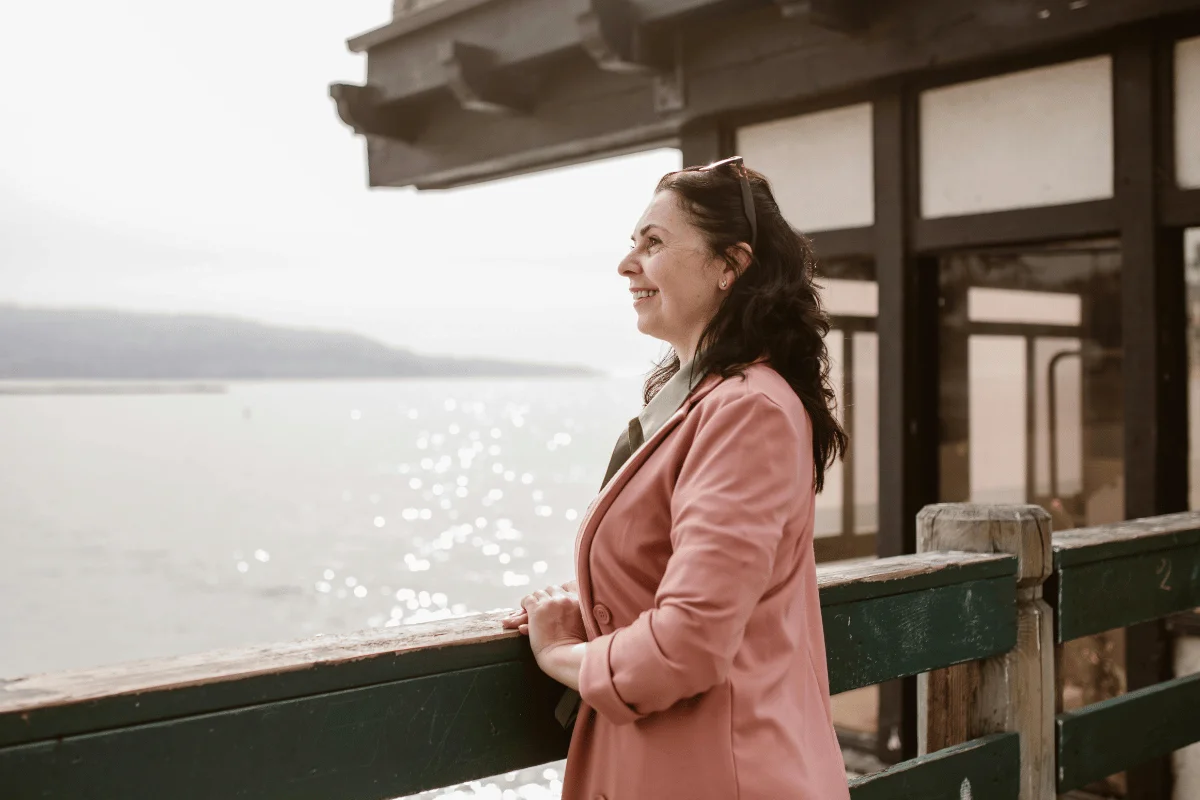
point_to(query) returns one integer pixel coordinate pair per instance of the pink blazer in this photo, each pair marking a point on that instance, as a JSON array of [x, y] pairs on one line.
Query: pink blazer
[[705, 674]]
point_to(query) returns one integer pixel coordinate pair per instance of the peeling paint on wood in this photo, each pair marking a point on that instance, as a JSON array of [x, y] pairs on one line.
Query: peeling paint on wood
[[1113, 735], [875, 640], [1135, 537], [43, 706], [1096, 596], [58, 704], [983, 769], [890, 576], [1015, 690], [371, 743]]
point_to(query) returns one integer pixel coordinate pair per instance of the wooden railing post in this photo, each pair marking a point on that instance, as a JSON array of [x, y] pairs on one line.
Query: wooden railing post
[[1014, 691]]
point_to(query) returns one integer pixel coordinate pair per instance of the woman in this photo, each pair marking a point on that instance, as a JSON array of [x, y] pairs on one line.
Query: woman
[[694, 631]]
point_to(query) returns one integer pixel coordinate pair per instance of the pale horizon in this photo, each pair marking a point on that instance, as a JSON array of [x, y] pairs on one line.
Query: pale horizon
[[172, 159]]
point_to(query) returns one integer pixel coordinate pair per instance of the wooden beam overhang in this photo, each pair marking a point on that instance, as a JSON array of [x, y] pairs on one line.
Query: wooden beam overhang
[[611, 33], [472, 79], [600, 87], [403, 57], [359, 107]]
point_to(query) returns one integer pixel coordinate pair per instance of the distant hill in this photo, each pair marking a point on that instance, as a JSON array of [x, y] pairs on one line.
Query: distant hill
[[49, 344]]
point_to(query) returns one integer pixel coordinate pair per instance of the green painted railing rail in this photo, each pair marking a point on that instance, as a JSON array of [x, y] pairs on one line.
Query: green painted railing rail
[[1119, 575], [390, 712], [1114, 576], [396, 711], [1112, 735]]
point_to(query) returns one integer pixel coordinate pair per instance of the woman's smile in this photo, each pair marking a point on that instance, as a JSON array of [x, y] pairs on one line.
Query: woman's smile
[[641, 295]]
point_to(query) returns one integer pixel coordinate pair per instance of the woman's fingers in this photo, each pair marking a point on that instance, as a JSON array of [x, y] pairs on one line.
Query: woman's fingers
[[534, 599], [523, 630]]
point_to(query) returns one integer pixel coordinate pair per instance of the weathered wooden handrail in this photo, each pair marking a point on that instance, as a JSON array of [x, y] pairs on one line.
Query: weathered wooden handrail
[[375, 714], [1118, 575], [385, 713], [1013, 691], [1113, 735], [389, 712], [1111, 577]]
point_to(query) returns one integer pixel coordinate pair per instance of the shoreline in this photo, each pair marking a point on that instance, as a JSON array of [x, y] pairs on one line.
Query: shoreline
[[110, 387]]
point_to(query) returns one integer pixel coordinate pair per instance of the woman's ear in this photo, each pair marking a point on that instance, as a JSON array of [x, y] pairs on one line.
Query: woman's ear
[[737, 260]]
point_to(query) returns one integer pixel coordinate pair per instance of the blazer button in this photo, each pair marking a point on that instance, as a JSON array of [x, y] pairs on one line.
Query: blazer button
[[600, 612]]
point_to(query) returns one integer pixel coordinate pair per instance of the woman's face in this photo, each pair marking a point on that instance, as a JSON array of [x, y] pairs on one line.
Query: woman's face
[[674, 281]]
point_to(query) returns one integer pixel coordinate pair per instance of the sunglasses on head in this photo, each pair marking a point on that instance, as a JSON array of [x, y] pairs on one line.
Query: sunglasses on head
[[747, 195]]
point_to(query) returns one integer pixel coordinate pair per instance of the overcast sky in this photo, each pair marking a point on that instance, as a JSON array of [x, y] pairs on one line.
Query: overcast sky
[[171, 156]]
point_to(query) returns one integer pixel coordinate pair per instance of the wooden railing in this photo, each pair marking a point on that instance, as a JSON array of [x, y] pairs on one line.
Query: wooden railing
[[1112, 577], [391, 712]]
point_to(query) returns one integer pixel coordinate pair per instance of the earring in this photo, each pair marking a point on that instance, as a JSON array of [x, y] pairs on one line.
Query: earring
[[724, 284]]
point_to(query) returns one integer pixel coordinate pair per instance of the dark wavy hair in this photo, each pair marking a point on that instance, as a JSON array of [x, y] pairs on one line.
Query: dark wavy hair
[[774, 307]]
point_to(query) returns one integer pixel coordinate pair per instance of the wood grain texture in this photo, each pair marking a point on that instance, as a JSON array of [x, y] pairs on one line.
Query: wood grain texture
[[1019, 530], [44, 706], [1119, 592], [58, 704], [388, 713], [903, 574], [875, 640], [1084, 545], [375, 742], [983, 769], [1015, 690], [1107, 737]]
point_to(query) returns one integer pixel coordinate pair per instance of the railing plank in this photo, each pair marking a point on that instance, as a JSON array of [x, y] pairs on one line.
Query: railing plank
[[387, 713], [62, 704], [884, 577], [371, 743], [1124, 590], [878, 639], [1113, 735], [988, 768], [1135, 537]]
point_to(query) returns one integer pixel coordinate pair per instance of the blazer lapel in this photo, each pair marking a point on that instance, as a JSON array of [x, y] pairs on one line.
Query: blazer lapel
[[604, 500]]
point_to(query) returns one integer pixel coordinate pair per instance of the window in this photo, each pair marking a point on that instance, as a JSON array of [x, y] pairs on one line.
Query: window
[[847, 511]]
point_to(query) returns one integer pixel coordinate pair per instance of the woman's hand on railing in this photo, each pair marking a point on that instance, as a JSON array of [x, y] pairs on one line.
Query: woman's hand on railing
[[519, 619], [557, 637]]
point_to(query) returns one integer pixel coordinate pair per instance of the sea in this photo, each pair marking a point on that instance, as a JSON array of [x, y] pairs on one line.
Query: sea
[[163, 519], [137, 526]]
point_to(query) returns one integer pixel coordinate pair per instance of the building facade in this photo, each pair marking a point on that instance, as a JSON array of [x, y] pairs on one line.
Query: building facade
[[1004, 195]]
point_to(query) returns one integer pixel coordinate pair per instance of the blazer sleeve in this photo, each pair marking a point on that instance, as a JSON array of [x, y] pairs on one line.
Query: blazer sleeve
[[746, 471]]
